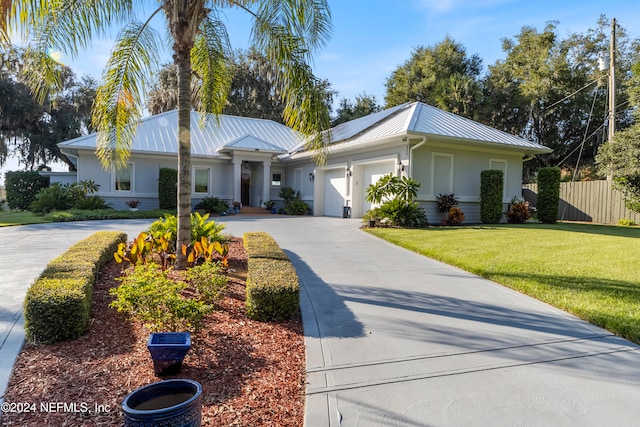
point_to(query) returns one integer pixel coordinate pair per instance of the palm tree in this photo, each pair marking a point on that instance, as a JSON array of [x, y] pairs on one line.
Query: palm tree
[[288, 32]]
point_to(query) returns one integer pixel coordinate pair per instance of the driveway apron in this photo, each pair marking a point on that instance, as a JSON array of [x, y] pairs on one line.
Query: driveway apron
[[397, 339]]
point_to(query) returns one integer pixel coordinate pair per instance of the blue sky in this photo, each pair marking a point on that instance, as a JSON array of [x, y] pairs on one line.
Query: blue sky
[[371, 38]]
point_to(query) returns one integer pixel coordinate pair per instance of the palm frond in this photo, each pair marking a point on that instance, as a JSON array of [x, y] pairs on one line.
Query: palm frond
[[305, 109], [120, 99], [210, 62]]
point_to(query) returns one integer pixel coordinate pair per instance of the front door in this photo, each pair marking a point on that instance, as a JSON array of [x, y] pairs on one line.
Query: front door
[[245, 188]]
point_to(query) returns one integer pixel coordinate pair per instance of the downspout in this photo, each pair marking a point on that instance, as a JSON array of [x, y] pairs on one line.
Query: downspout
[[418, 145], [527, 157]]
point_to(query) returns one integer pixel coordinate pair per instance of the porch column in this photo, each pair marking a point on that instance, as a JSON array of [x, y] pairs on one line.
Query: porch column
[[237, 179], [266, 180]]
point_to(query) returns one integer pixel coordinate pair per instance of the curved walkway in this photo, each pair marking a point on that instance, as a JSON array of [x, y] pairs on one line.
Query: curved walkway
[[397, 339]]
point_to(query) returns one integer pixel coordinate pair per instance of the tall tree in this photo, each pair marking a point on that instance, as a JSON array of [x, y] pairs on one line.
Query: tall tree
[[417, 79], [31, 131], [349, 110], [253, 92], [550, 90], [288, 32]]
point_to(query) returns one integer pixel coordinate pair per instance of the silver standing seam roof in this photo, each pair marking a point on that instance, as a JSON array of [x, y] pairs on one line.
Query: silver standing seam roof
[[158, 134]]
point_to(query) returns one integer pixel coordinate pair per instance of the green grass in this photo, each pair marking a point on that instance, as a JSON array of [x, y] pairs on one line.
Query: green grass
[[8, 218], [591, 271]]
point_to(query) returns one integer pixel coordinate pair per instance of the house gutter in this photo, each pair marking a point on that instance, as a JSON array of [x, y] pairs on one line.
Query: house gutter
[[419, 144], [527, 157]]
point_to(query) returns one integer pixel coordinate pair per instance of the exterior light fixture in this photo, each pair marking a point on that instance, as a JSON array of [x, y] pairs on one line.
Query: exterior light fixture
[[400, 167], [349, 172], [311, 177]]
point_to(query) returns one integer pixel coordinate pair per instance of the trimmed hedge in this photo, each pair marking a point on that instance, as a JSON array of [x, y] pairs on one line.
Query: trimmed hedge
[[548, 194], [168, 188], [58, 304], [491, 189], [273, 289], [262, 245]]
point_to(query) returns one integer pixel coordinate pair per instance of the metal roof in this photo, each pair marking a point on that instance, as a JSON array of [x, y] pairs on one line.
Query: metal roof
[[158, 134], [420, 118]]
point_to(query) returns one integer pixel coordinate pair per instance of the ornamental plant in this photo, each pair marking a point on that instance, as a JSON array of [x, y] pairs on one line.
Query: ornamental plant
[[548, 194], [491, 190]]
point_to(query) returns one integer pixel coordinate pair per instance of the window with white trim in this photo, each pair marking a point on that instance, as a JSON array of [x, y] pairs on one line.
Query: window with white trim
[[277, 177], [201, 180], [123, 178]]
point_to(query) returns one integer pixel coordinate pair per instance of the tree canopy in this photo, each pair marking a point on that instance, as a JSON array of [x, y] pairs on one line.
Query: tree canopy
[[30, 130]]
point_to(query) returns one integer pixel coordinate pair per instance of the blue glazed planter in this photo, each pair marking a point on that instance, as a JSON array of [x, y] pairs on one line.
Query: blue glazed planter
[[168, 350], [170, 403]]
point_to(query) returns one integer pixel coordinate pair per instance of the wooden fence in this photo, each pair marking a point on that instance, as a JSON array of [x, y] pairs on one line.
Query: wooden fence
[[590, 201]]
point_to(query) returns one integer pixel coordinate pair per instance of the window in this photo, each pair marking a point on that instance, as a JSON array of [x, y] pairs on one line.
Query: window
[[124, 177], [276, 179], [201, 180]]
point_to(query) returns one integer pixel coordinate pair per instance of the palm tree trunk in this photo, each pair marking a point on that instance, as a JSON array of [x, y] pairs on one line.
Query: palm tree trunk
[[183, 62]]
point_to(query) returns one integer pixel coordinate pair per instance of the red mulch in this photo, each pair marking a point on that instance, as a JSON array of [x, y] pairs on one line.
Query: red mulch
[[252, 373]]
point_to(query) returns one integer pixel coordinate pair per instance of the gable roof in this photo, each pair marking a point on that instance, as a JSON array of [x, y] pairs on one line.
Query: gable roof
[[159, 134], [424, 120]]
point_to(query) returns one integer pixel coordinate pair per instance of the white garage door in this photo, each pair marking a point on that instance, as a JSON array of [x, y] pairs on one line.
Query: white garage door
[[335, 186], [371, 174]]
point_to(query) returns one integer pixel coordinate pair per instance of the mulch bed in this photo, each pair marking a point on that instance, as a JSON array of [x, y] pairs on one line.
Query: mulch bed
[[252, 373]]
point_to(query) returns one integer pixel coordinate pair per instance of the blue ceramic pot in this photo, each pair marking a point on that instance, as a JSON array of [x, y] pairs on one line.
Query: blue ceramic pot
[[170, 403], [168, 350]]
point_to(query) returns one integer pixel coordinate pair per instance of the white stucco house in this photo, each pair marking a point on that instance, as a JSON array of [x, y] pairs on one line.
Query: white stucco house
[[250, 160]]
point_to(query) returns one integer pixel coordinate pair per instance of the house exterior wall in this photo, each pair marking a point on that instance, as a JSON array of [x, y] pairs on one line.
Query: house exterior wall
[[465, 168]]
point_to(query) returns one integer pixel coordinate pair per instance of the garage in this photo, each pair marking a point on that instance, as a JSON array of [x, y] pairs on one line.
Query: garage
[[371, 173], [335, 189]]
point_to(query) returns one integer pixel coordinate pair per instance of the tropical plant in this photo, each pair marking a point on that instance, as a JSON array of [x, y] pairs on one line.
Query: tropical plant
[[517, 211], [396, 195], [200, 226], [137, 252], [288, 33], [212, 205], [455, 216], [446, 202]]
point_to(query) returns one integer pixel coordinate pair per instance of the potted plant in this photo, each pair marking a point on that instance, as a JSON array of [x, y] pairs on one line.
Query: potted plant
[[372, 216], [270, 206], [133, 204], [236, 207], [446, 202]]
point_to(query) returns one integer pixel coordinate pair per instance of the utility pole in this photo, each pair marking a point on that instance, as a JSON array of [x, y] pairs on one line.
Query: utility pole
[[612, 81]]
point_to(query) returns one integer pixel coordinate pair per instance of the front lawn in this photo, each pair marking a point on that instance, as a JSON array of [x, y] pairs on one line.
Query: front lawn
[[591, 271], [8, 218]]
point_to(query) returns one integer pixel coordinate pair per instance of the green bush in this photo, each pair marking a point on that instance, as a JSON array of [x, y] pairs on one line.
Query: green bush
[[21, 188], [626, 222], [273, 290], [200, 226], [548, 194], [53, 198], [168, 188], [259, 244], [208, 280], [91, 203], [403, 213], [212, 205], [296, 207], [147, 295], [58, 304], [82, 215], [491, 190]]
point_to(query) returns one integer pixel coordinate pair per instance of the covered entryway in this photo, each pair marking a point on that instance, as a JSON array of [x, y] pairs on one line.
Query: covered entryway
[[335, 190]]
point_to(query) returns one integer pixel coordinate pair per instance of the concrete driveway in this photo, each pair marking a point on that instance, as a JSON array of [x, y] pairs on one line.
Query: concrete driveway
[[396, 339]]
